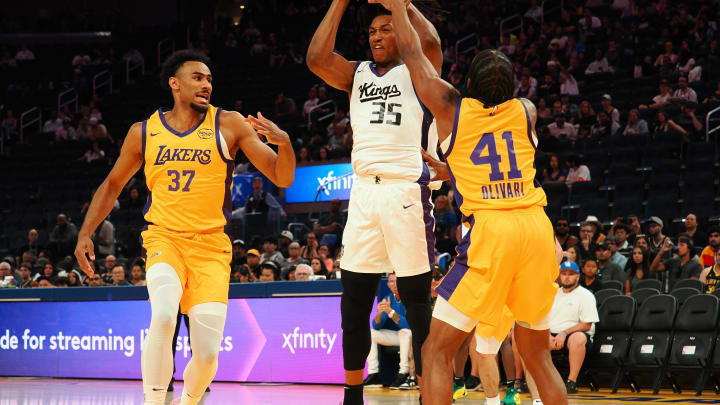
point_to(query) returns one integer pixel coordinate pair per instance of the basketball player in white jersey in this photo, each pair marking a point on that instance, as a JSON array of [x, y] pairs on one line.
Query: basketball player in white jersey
[[390, 222]]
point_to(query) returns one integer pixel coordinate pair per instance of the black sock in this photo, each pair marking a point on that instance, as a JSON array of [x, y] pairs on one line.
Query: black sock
[[459, 381], [510, 383], [353, 395]]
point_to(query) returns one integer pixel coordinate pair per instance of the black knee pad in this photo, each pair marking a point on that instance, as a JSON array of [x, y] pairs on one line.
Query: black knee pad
[[359, 291], [415, 295]]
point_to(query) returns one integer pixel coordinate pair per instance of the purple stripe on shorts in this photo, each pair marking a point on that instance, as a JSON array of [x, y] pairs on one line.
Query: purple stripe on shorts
[[143, 251], [148, 203], [424, 179], [457, 272], [458, 197], [429, 223]]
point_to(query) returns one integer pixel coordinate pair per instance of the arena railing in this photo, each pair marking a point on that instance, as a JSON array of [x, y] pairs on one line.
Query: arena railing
[[66, 98], [165, 48], [520, 25], [709, 131], [324, 117], [470, 39], [102, 80], [133, 64], [30, 117]]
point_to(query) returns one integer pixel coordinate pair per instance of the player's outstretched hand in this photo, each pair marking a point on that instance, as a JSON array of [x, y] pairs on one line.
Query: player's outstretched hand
[[268, 129], [389, 4], [441, 169], [85, 247]]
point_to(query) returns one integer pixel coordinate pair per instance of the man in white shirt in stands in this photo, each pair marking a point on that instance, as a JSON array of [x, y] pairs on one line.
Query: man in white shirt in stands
[[576, 171], [572, 319], [561, 129], [685, 92]]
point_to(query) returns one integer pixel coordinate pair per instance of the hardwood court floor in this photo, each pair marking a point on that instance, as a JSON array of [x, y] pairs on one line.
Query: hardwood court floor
[[37, 391]]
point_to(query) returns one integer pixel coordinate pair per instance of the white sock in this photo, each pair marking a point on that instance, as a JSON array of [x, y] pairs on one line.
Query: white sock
[[493, 401], [537, 402], [154, 395]]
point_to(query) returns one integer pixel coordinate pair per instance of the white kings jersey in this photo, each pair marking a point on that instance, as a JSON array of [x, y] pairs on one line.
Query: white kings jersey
[[390, 125]]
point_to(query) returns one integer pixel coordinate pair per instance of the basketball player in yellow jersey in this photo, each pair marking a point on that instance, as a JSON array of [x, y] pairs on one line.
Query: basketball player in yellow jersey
[[508, 257], [188, 155]]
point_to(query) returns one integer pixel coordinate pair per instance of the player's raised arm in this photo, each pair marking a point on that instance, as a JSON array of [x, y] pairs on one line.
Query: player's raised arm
[[280, 167], [429, 38], [321, 56], [129, 162], [438, 95]]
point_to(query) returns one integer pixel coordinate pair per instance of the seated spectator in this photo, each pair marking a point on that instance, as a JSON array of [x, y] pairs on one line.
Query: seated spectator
[[137, 275], [110, 261], [318, 267], [568, 84], [635, 124], [335, 271], [543, 112], [714, 98], [389, 328], [589, 278], [10, 124], [562, 130], [74, 278], [688, 124], [608, 270], [310, 103], [684, 92], [325, 257], [66, 132], [24, 54], [576, 171], [662, 99], [524, 89], [666, 61], [572, 319], [62, 282], [562, 234], [657, 238], [253, 264], [607, 106], [268, 272], [25, 275], [284, 241], [679, 267], [118, 276], [691, 230], [555, 172], [507, 48], [293, 259], [586, 115], [309, 251], [53, 124], [604, 127], [44, 282], [270, 252], [707, 257], [93, 154], [666, 126], [444, 213], [32, 246], [104, 239], [63, 236], [303, 155], [7, 271], [331, 222], [710, 276], [240, 274], [239, 255], [616, 257], [303, 272], [589, 22], [637, 268], [620, 231], [97, 131], [599, 64], [641, 240], [94, 281]]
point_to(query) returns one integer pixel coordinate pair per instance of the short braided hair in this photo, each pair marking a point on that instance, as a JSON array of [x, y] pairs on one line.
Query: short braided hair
[[491, 78]]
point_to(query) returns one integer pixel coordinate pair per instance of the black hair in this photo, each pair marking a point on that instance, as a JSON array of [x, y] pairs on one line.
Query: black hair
[[624, 227], [175, 62], [688, 241], [713, 229], [491, 78]]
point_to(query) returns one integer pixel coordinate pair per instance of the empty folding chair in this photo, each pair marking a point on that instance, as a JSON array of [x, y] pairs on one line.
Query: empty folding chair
[[682, 294], [612, 338], [689, 282], [614, 284], [651, 337], [641, 294], [695, 333], [649, 283], [604, 294]]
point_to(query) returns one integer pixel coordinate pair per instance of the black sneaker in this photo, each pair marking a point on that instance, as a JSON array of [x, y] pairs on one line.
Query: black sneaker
[[472, 383], [170, 386], [521, 386], [399, 380], [373, 381], [409, 384], [571, 387]]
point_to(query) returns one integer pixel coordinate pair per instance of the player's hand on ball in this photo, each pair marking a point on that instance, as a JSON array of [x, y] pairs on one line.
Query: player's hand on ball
[[85, 247], [389, 4], [268, 129], [441, 169]]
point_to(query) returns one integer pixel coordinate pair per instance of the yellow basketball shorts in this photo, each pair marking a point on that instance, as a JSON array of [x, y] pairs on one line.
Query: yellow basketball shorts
[[201, 260], [507, 258]]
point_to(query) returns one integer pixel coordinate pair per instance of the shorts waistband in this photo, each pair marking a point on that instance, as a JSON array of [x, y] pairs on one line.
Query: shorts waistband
[[379, 180], [521, 210], [153, 227]]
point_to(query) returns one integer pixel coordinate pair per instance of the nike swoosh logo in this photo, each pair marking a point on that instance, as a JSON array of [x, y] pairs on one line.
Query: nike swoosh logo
[[408, 206], [226, 251], [156, 133]]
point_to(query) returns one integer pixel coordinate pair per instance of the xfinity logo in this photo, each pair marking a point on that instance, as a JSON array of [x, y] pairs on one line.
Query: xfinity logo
[[332, 182], [295, 341]]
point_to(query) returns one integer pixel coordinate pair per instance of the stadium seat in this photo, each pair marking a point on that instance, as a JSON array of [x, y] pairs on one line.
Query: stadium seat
[[612, 339], [652, 331], [649, 283], [614, 284], [582, 191], [682, 294], [689, 282], [604, 294], [642, 294], [694, 339]]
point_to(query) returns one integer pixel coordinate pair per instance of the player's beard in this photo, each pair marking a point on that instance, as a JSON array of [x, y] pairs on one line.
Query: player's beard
[[199, 108]]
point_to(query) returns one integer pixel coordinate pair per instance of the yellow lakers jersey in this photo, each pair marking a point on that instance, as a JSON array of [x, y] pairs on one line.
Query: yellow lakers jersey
[[491, 157], [188, 174]]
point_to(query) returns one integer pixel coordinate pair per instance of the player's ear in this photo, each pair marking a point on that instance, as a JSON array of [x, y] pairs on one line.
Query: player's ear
[[468, 82], [173, 83]]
